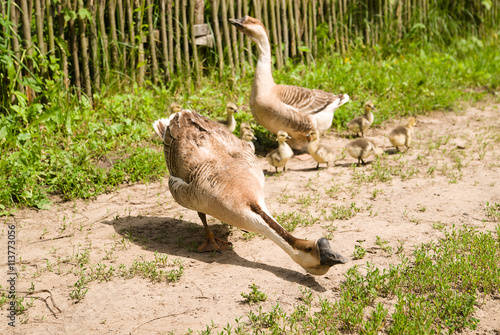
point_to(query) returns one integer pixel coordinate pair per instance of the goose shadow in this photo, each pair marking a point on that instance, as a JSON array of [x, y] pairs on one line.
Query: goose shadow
[[181, 238], [311, 169], [391, 151], [348, 136], [274, 173], [348, 165]]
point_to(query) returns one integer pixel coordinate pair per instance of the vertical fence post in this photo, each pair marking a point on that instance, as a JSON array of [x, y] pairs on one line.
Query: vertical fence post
[[218, 37]]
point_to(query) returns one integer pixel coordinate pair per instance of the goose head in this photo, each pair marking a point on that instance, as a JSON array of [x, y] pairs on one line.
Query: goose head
[[244, 127], [282, 136], [251, 27], [175, 108], [231, 108], [369, 106], [377, 151], [313, 135], [248, 136], [412, 122], [317, 257]]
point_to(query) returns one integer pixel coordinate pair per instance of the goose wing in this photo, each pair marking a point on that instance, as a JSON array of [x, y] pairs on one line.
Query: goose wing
[[308, 101]]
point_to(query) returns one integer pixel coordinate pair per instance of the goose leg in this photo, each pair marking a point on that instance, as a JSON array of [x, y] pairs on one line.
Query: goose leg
[[211, 242]]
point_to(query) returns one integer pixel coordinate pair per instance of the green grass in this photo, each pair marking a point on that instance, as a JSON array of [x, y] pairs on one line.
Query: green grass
[[255, 295], [435, 290], [290, 220], [341, 212], [71, 149], [493, 211]]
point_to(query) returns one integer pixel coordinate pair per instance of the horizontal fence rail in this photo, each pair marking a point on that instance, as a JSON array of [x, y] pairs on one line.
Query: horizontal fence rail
[[88, 43]]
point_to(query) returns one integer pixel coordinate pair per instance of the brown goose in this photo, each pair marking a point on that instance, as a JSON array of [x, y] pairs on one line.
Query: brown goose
[[402, 135], [213, 172], [296, 110], [361, 124], [362, 148]]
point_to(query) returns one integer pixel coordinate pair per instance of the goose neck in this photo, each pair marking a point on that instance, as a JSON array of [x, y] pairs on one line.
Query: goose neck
[[267, 226], [263, 70], [313, 145], [369, 116]]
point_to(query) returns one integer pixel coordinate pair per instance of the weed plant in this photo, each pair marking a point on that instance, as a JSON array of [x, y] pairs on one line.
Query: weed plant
[[290, 220], [255, 295], [435, 290]]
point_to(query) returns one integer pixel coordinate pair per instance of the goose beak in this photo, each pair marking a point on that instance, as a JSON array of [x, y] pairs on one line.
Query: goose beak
[[238, 23], [254, 138], [288, 137], [327, 255]]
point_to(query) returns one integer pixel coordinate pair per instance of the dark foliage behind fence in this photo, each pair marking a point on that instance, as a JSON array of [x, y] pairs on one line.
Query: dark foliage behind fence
[[85, 44]]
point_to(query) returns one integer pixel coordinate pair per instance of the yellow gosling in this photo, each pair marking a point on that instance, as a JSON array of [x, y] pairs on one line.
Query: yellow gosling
[[279, 157], [361, 124], [363, 148], [321, 153], [402, 135]]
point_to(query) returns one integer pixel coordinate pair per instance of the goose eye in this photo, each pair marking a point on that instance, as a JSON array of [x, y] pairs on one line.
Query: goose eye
[[309, 249]]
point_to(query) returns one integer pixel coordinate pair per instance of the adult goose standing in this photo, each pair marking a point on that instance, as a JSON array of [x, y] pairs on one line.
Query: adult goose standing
[[213, 172], [361, 124], [296, 110]]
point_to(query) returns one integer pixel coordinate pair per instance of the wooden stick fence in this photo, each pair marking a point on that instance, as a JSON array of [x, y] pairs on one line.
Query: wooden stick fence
[[96, 41]]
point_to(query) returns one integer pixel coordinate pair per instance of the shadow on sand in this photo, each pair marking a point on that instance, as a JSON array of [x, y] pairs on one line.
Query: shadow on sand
[[181, 238]]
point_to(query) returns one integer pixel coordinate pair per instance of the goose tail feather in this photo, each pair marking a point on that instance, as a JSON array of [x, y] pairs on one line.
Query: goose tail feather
[[160, 127], [342, 99]]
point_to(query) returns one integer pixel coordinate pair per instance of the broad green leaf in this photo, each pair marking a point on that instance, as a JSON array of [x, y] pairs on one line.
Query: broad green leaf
[[24, 136], [3, 133], [487, 4]]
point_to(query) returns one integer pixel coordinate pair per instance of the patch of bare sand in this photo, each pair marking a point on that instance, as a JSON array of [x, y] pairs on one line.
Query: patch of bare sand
[[445, 180]]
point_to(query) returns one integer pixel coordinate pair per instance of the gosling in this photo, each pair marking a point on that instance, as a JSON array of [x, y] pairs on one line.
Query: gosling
[[361, 124], [321, 153], [362, 148], [279, 157], [230, 122], [245, 126], [248, 136], [402, 135], [175, 108]]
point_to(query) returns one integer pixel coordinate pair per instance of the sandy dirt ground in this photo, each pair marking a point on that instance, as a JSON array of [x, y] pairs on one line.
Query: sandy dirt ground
[[444, 180]]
